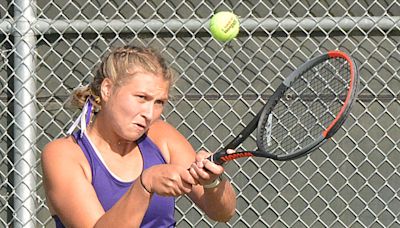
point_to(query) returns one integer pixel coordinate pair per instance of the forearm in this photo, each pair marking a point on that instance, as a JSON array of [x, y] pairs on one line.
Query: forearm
[[129, 210], [219, 203]]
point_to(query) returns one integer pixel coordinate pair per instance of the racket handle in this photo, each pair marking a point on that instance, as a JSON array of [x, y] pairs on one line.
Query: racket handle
[[217, 157], [222, 156]]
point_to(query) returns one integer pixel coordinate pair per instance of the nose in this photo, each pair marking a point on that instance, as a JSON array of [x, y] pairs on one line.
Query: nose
[[148, 110]]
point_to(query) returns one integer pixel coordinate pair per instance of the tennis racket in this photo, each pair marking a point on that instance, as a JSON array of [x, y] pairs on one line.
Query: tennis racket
[[308, 108]]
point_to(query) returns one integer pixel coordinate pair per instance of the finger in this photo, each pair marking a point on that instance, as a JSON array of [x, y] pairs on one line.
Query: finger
[[194, 174], [201, 155], [199, 173], [178, 189], [203, 174], [200, 164], [186, 187], [187, 178], [213, 168]]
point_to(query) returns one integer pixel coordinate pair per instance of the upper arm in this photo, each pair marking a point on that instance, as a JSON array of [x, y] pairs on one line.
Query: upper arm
[[69, 193], [177, 150], [174, 146]]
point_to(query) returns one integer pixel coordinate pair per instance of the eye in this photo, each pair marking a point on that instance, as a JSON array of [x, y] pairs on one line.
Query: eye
[[160, 102], [140, 98]]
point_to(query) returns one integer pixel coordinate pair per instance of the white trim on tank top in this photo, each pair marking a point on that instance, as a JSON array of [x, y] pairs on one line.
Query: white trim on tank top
[[104, 163]]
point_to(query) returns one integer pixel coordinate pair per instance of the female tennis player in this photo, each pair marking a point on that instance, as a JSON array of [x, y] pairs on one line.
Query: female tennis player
[[125, 166]]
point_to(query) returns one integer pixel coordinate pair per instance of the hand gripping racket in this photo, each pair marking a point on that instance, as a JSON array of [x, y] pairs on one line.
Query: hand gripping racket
[[308, 108]]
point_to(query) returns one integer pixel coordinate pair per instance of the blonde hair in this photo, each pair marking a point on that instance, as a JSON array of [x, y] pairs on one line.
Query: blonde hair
[[118, 65]]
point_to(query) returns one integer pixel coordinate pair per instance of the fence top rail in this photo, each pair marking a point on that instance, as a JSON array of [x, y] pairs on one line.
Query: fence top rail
[[48, 26]]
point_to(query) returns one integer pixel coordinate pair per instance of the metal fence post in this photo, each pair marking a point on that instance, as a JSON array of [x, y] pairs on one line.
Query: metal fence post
[[25, 112]]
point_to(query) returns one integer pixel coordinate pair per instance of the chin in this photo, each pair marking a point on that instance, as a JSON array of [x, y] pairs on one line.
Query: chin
[[135, 135]]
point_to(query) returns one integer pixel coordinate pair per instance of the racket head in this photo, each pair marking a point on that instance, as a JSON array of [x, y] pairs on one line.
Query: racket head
[[310, 106]]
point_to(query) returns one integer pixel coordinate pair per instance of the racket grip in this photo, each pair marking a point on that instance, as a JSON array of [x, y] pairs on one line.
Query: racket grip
[[216, 157]]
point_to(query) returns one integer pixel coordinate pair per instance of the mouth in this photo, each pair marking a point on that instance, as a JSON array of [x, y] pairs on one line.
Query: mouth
[[140, 126]]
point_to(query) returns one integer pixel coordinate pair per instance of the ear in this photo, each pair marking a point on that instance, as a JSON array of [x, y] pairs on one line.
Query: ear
[[106, 89]]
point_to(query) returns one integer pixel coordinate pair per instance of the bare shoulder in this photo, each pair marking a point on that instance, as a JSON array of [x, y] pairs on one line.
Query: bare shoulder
[[174, 146], [161, 125], [61, 149], [61, 155], [163, 134]]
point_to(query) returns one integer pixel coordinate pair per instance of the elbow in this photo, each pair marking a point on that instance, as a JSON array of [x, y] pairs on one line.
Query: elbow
[[223, 218], [226, 218], [225, 215]]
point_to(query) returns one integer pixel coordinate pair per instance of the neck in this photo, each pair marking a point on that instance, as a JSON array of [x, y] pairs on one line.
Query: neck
[[110, 142]]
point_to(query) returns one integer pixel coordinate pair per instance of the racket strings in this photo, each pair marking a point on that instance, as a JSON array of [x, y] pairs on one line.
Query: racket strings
[[308, 107]]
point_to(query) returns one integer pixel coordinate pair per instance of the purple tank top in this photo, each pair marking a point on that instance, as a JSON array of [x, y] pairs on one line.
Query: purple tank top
[[110, 189]]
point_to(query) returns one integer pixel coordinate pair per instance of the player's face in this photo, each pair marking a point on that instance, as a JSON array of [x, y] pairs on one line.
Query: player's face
[[135, 105]]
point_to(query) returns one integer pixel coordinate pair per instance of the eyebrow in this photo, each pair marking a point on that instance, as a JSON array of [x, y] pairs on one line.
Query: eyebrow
[[163, 97]]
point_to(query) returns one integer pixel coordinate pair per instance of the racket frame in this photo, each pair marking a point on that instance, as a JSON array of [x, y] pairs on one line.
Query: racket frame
[[222, 156]]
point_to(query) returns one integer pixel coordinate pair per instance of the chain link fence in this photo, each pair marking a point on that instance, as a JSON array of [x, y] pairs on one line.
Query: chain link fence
[[50, 47]]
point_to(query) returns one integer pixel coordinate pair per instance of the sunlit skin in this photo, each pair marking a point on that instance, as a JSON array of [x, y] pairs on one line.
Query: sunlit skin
[[127, 112]]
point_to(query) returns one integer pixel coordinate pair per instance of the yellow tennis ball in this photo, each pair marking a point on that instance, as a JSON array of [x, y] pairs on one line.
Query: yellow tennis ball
[[224, 26]]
